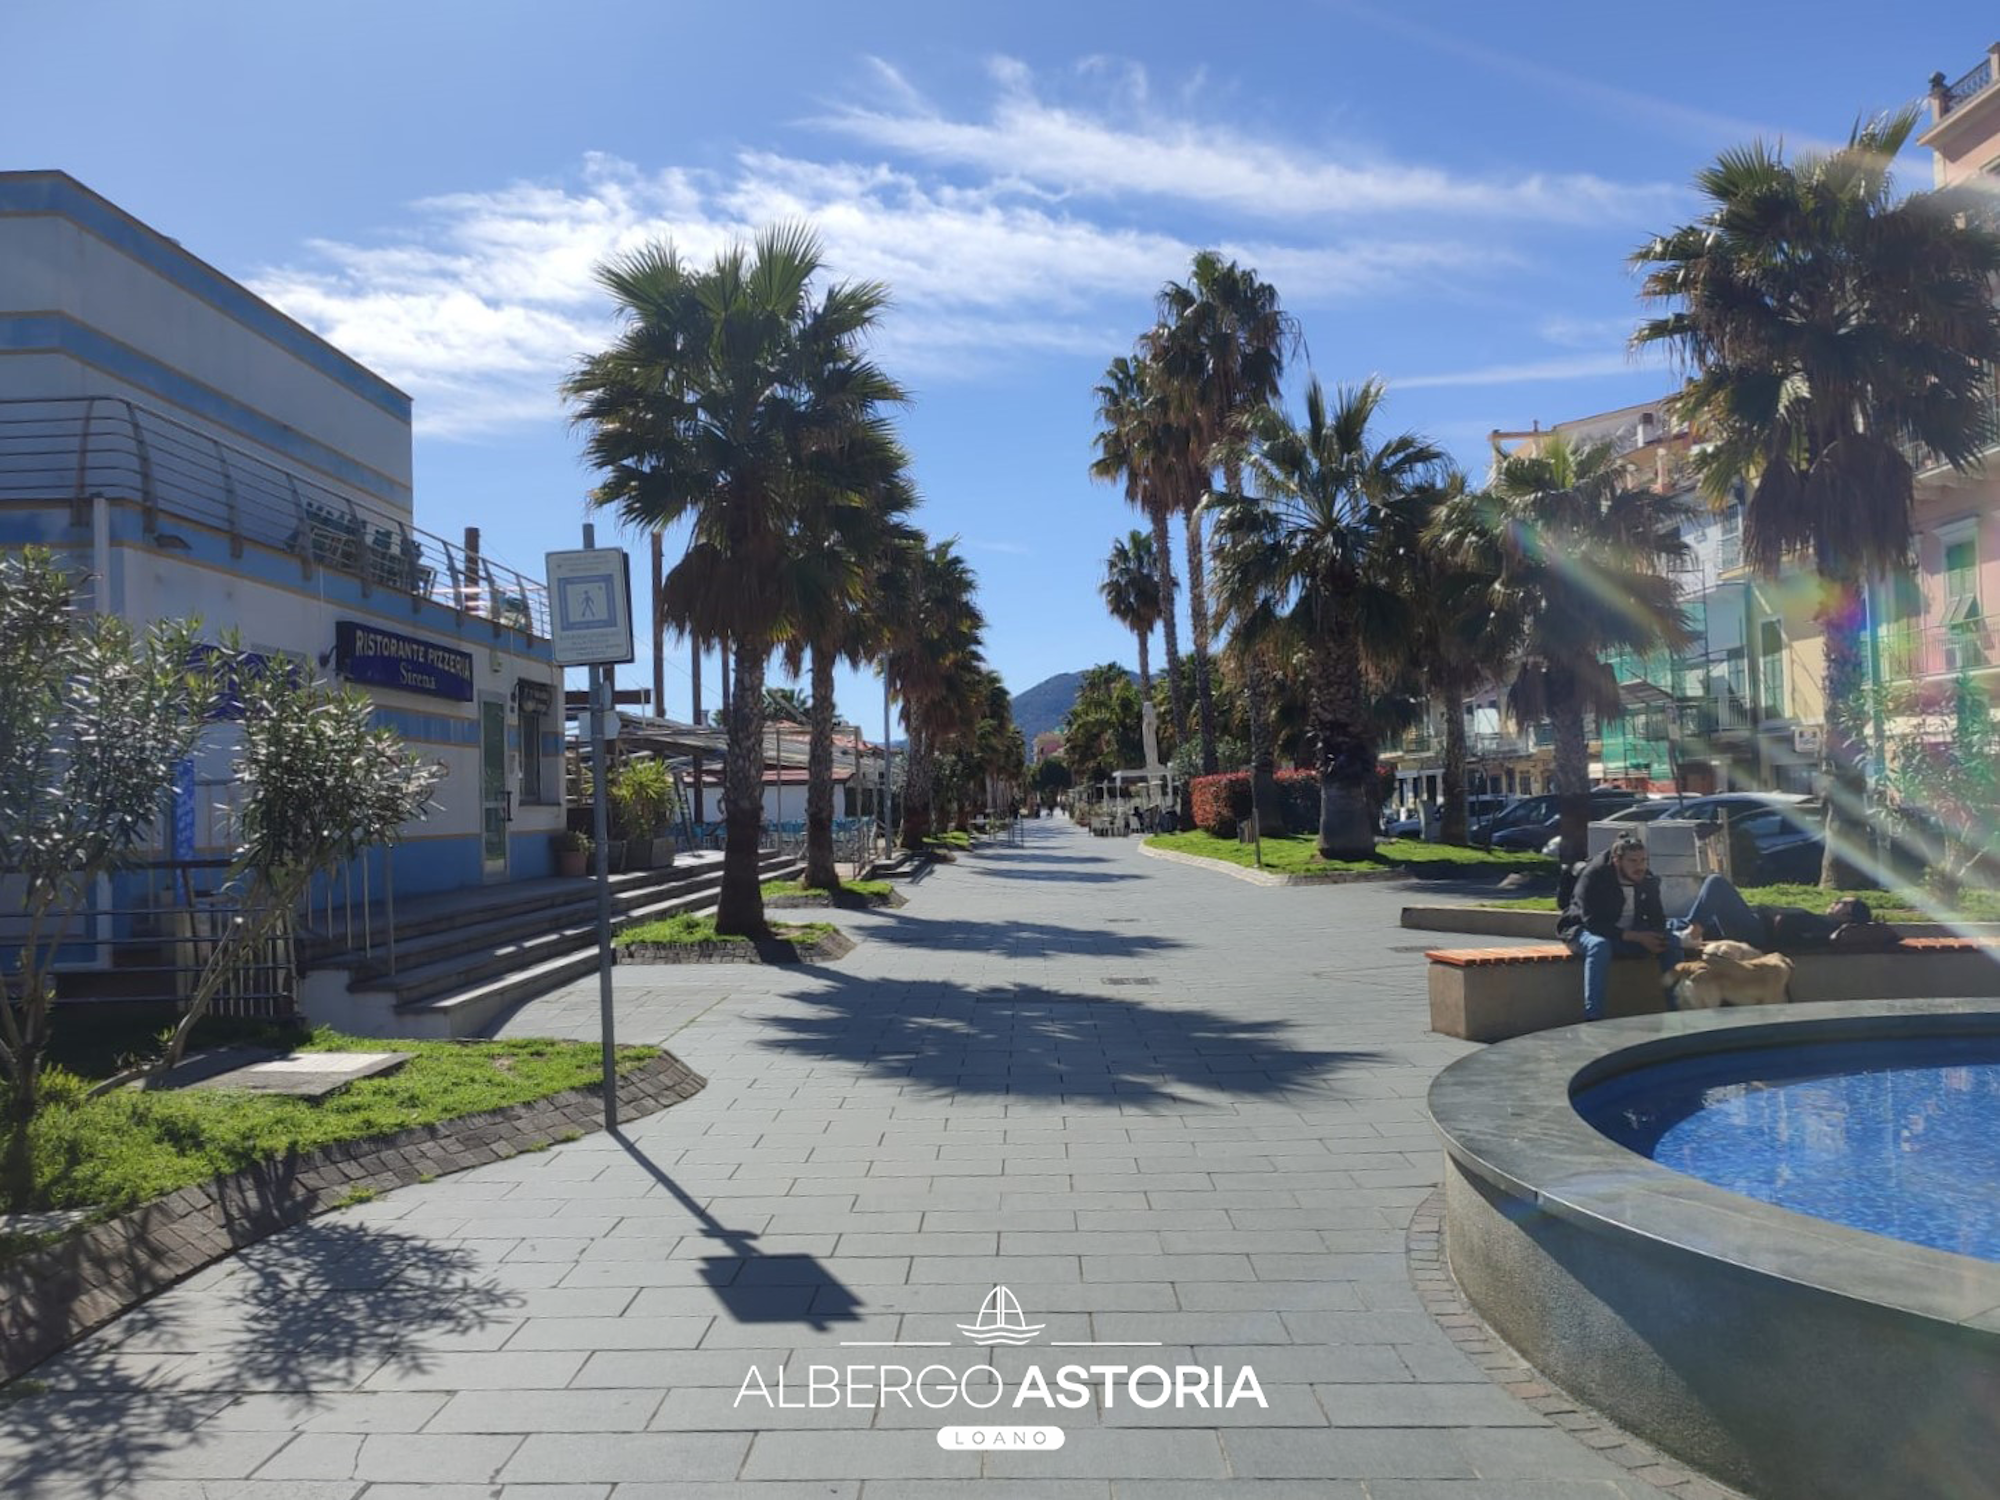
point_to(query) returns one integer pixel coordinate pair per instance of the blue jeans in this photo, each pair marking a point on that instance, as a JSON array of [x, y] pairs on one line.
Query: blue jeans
[[1597, 953], [1723, 913]]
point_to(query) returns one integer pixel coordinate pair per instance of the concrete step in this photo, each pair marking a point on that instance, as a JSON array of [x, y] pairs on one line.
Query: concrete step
[[427, 916], [463, 983]]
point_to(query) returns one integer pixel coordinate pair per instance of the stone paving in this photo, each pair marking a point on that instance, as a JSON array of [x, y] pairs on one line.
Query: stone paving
[[1156, 1103]]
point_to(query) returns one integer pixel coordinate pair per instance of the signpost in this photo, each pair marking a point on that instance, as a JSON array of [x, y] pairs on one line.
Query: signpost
[[590, 625]]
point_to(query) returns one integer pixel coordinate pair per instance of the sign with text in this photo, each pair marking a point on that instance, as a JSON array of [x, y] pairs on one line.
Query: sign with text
[[590, 607], [382, 658]]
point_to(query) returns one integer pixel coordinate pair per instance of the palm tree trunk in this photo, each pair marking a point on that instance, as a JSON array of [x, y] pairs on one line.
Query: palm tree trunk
[[1452, 829], [1844, 741], [739, 906], [1264, 798], [820, 872], [1198, 622], [1346, 740], [1572, 779], [1169, 629], [919, 777], [1145, 665]]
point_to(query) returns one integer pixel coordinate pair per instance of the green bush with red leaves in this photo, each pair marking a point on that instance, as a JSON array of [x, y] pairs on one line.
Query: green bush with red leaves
[[1222, 802]]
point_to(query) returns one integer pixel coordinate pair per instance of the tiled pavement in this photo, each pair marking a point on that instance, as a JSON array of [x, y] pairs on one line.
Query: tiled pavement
[[1156, 1103]]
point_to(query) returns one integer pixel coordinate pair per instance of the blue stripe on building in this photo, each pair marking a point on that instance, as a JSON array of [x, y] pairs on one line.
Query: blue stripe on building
[[58, 333], [61, 197]]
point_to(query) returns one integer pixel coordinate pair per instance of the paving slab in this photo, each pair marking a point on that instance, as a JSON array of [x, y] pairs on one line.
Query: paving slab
[[1214, 1167]]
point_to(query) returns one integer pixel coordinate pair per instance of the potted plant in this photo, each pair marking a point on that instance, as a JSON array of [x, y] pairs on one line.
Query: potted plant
[[642, 799], [572, 852]]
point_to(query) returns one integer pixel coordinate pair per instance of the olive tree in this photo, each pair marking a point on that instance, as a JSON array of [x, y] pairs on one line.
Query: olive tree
[[94, 717]]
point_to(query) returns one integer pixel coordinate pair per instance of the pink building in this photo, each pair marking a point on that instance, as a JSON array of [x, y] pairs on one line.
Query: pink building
[[1938, 623]]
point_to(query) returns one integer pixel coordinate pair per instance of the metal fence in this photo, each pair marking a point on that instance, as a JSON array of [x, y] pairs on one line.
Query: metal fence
[[157, 948], [71, 450]]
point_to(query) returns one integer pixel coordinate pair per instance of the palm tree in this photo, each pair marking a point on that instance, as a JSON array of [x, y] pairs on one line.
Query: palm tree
[[1458, 637], [830, 577], [721, 385], [1824, 323], [933, 629], [1144, 444], [1575, 555], [1314, 537], [1220, 347], [1131, 591]]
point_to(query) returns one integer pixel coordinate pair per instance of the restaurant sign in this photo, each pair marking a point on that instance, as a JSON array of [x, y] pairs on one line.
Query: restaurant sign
[[382, 658]]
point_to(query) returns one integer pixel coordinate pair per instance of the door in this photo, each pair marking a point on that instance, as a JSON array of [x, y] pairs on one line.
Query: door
[[495, 809]]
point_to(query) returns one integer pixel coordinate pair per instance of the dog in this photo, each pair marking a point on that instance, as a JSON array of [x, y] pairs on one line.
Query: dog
[[1729, 948], [1717, 979]]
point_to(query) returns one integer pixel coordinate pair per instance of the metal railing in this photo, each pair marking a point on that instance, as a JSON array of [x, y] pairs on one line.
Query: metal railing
[[1940, 651], [156, 951], [1974, 83], [72, 449]]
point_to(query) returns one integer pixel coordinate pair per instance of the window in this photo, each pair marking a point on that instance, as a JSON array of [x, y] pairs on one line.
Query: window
[[531, 756], [1961, 581], [1771, 669]]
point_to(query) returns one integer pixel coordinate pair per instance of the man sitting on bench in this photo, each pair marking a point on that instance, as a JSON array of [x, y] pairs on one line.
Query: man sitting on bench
[[1615, 911]]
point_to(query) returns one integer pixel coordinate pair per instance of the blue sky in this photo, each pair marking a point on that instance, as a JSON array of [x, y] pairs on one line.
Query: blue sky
[[1443, 194]]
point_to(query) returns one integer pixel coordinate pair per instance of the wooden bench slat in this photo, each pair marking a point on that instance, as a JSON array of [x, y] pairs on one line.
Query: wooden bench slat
[[1552, 953]]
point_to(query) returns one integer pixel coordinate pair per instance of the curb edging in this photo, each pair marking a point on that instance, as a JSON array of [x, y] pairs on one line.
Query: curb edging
[[1265, 877], [55, 1296]]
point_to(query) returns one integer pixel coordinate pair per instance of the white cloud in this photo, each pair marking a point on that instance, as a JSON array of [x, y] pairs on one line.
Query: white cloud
[[1140, 150], [1577, 367], [1003, 241]]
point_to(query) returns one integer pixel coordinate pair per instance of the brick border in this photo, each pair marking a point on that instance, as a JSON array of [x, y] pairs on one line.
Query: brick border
[[51, 1298], [836, 944], [1437, 1288]]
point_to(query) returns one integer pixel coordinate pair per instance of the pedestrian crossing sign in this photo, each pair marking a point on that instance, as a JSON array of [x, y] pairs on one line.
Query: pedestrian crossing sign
[[590, 607]]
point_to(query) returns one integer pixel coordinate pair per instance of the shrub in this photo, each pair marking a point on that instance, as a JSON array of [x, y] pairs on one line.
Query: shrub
[[1222, 802]]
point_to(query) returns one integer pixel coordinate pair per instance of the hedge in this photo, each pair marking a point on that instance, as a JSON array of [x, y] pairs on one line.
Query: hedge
[[1222, 802]]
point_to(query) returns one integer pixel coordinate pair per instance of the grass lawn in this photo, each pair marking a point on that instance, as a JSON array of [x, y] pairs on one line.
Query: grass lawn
[[951, 838], [132, 1145], [690, 928], [1887, 906], [854, 892], [1294, 854]]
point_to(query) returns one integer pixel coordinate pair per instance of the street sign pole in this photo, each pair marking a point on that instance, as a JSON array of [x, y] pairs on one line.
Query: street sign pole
[[600, 821], [590, 625]]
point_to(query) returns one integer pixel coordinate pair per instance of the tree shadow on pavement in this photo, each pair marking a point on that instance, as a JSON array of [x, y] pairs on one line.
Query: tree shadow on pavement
[[1016, 939], [1022, 1041], [315, 1310]]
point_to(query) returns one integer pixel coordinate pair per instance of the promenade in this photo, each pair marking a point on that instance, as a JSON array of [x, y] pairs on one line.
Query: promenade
[[1159, 1105]]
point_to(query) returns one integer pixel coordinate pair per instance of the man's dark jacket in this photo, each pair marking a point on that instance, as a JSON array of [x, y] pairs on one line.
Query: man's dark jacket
[[1598, 903]]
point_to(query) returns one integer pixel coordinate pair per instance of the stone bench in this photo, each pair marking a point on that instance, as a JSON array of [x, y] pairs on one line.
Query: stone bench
[[1489, 994]]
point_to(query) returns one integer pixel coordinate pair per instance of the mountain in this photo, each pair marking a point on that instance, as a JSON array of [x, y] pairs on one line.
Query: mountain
[[1047, 703]]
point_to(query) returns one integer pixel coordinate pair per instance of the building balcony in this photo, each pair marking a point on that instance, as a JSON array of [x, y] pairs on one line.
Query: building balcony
[[1966, 112], [1940, 651], [71, 451]]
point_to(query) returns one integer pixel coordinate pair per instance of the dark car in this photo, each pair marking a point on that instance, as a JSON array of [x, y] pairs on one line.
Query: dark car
[[1774, 837], [1532, 835], [1518, 815]]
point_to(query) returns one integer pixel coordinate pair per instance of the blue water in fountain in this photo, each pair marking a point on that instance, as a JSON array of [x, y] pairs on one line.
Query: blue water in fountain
[[1898, 1138]]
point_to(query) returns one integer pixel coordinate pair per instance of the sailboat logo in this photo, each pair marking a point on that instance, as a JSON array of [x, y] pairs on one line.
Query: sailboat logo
[[1000, 1321]]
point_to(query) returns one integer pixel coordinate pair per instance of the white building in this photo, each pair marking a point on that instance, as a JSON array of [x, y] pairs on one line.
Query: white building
[[198, 453]]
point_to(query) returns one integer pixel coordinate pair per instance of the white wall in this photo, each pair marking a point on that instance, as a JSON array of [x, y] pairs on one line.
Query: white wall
[[145, 317]]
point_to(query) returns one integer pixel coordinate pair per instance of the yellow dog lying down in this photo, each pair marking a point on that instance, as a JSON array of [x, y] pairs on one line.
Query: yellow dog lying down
[[1729, 973]]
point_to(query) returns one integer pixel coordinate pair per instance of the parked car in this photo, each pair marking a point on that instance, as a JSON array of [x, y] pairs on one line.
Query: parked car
[[1534, 835], [1776, 837], [1478, 810], [1518, 814]]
